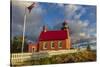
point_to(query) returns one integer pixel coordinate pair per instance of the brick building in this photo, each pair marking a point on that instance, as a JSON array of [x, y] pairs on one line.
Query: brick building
[[53, 40]]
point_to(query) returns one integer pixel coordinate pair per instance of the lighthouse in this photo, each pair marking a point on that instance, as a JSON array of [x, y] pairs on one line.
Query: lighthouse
[[51, 40]]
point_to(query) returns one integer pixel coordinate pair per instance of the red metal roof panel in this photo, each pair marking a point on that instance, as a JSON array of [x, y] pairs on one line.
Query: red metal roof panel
[[53, 35]]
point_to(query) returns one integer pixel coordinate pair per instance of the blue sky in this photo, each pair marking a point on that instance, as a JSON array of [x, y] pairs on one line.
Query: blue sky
[[80, 18], [54, 13]]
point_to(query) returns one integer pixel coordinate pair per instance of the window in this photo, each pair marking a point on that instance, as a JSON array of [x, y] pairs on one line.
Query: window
[[60, 44], [52, 44], [45, 45]]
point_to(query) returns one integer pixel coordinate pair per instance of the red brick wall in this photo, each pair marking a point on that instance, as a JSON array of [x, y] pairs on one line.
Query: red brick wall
[[31, 46], [39, 47], [49, 45]]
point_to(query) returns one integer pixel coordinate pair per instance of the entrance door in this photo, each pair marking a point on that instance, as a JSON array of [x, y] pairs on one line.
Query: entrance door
[[33, 49]]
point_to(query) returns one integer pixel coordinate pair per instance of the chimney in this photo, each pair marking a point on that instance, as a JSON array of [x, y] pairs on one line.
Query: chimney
[[44, 28]]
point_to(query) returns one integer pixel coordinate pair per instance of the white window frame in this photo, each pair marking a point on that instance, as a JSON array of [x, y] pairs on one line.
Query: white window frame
[[52, 43], [59, 43], [44, 44]]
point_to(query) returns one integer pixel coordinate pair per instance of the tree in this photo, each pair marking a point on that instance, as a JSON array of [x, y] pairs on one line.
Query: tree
[[16, 45]]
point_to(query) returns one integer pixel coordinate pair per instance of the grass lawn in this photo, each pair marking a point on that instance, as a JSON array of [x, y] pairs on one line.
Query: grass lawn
[[84, 56]]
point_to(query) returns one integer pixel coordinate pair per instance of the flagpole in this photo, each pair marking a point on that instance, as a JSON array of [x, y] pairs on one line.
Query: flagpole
[[24, 30], [29, 8]]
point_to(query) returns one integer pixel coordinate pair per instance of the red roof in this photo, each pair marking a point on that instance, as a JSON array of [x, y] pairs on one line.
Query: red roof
[[53, 35]]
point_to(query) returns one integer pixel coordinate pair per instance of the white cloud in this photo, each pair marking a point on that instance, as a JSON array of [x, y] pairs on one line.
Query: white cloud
[[60, 5], [78, 25], [81, 30], [33, 21], [21, 3], [70, 10], [82, 11], [93, 30], [82, 34], [83, 23]]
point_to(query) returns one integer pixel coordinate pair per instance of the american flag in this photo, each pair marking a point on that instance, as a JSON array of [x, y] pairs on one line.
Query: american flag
[[31, 6]]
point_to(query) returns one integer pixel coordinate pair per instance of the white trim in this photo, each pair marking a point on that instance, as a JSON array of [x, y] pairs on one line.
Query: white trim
[[52, 43], [59, 45]]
